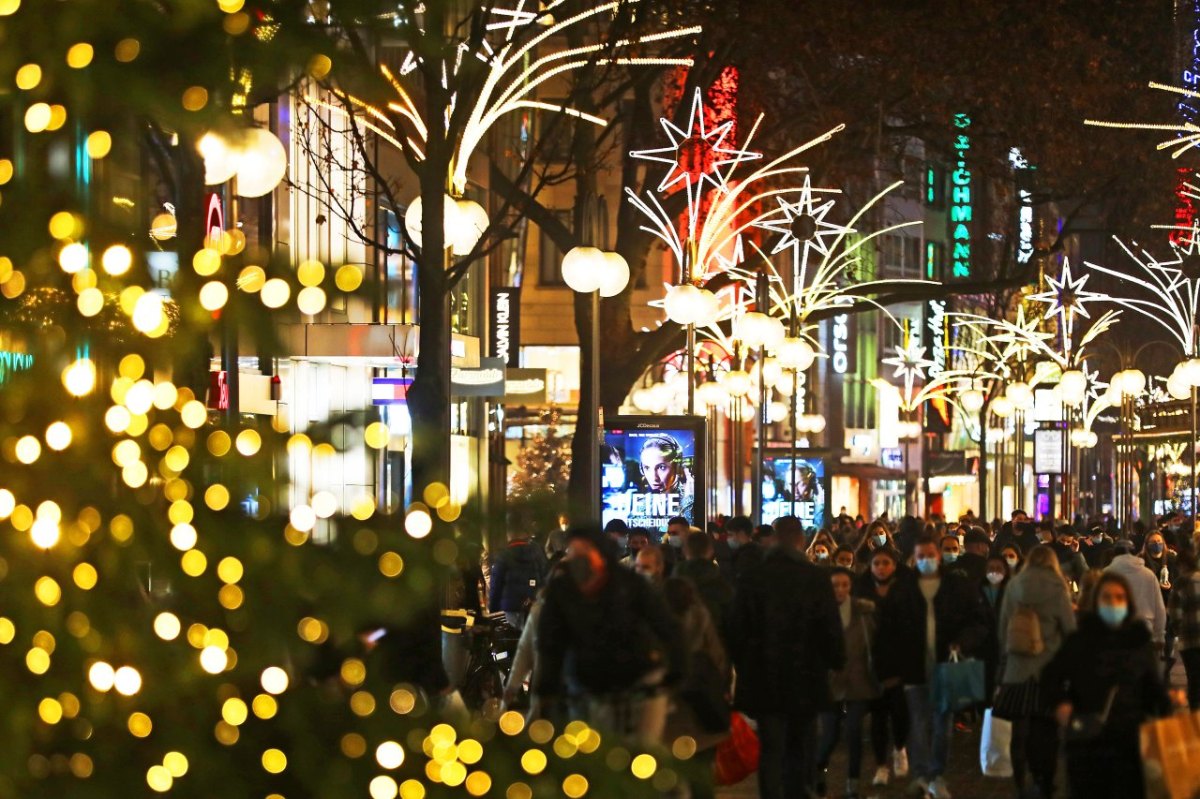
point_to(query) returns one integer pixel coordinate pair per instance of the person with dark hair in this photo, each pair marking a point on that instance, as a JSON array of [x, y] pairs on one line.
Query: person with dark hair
[[664, 471], [1106, 676], [972, 561], [699, 568], [518, 572], [786, 636], [889, 712], [606, 644], [1184, 612], [877, 536], [1037, 598], [844, 558], [906, 536], [933, 617], [1097, 550], [995, 584], [638, 538], [700, 699], [852, 688], [678, 529], [1070, 560], [746, 551]]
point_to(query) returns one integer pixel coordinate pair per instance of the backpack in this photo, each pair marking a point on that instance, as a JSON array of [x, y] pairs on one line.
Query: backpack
[[1025, 632]]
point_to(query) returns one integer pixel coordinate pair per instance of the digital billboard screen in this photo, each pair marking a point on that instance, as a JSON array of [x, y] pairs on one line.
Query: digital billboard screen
[[795, 484], [651, 469]]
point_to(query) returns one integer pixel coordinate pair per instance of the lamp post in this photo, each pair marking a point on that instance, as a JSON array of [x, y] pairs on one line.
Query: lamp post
[[598, 273]]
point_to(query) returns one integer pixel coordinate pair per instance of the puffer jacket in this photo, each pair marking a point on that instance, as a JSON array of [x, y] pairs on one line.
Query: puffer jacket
[[1045, 593], [856, 682]]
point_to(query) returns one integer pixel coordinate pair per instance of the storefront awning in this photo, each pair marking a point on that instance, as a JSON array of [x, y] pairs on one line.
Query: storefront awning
[[867, 471]]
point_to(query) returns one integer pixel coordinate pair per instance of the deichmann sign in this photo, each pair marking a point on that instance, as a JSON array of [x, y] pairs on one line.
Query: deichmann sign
[[506, 325], [961, 201]]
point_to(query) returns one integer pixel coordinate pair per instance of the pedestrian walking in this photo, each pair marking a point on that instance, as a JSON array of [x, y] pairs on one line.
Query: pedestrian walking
[[607, 646], [702, 571], [995, 584], [1184, 613], [700, 702], [852, 688], [889, 712], [1035, 618], [1103, 684], [746, 551], [786, 637], [518, 572], [1144, 586], [935, 616]]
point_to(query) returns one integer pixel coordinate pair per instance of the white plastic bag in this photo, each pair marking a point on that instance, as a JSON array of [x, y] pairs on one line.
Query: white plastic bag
[[995, 759]]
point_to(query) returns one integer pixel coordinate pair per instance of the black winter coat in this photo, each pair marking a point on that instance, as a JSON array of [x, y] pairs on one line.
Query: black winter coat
[[786, 636], [714, 590], [959, 614], [606, 643], [518, 573], [1093, 660]]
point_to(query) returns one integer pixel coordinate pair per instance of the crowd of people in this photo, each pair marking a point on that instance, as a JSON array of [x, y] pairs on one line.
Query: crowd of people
[[812, 633]]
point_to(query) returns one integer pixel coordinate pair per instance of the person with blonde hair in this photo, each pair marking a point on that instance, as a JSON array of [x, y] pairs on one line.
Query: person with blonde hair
[[1036, 616]]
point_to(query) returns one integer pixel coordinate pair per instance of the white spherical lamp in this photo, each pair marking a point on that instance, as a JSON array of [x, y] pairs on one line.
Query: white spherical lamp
[[1134, 382], [683, 304], [262, 165], [1073, 387], [583, 268], [466, 227], [752, 329], [711, 393], [795, 353], [736, 382], [615, 276], [707, 308], [413, 221], [816, 423], [1190, 371], [220, 158], [1177, 386], [1003, 407], [971, 399], [1020, 394]]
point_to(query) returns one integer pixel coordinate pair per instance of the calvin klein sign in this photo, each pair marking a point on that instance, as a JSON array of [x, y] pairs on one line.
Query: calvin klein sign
[[506, 325]]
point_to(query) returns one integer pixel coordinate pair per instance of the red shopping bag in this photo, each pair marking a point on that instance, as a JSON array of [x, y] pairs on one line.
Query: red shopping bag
[[737, 755]]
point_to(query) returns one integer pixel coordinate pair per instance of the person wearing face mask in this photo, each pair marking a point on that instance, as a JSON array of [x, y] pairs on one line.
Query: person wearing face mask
[[1146, 590], [844, 558], [932, 617], [607, 646], [820, 555], [1162, 561], [878, 536], [1106, 671], [649, 564], [638, 539], [951, 551], [889, 712], [1038, 600], [996, 578], [973, 559], [1012, 556], [852, 688], [1097, 549], [672, 542], [746, 552]]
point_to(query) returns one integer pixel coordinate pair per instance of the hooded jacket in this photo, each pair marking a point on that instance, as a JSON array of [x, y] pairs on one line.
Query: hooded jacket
[[1043, 592], [1147, 593]]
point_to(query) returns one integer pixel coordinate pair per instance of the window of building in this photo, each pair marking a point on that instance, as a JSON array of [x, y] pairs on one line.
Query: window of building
[[935, 258], [550, 256], [901, 255], [935, 186]]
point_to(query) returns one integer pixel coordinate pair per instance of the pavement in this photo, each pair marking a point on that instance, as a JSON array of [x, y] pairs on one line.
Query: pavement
[[963, 777]]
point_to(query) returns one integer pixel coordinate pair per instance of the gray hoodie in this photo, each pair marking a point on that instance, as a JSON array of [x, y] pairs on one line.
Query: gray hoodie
[[1046, 593]]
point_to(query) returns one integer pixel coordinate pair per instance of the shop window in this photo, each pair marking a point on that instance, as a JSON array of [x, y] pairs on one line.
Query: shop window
[[550, 256]]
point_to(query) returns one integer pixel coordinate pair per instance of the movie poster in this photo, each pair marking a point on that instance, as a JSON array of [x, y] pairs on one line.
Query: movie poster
[[795, 486], [651, 470]]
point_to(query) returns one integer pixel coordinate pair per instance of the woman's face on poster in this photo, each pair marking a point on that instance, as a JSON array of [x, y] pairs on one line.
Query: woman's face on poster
[[659, 472]]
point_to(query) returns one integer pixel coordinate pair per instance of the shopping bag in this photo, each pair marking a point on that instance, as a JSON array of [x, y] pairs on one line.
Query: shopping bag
[[1170, 749], [958, 684], [737, 755], [995, 757]]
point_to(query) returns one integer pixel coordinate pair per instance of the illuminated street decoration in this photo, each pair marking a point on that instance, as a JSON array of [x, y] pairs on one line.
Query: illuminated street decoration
[[13, 362], [1067, 299], [961, 202]]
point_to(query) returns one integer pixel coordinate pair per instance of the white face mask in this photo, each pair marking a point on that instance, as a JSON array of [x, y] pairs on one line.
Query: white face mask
[[1012, 562], [995, 578]]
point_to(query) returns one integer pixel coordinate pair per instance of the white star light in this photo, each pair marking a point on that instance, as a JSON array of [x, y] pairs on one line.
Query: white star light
[[808, 205], [910, 362], [1066, 297], [698, 136]]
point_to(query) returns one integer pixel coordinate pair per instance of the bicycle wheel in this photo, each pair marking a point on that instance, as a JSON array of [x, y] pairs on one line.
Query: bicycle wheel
[[483, 690]]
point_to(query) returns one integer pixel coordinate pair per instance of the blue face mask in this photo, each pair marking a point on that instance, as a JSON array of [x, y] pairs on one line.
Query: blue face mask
[[927, 566], [1155, 549], [880, 540], [1112, 615], [734, 543], [949, 557]]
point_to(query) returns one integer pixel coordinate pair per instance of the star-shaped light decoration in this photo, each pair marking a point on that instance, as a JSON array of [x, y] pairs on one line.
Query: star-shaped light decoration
[[1021, 335], [1066, 298], [910, 363], [696, 156], [802, 225]]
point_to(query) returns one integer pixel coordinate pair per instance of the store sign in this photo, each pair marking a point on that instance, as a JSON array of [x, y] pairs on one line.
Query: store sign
[[485, 381], [1048, 451], [525, 387], [218, 391], [12, 362], [506, 325], [840, 356], [961, 205], [935, 323], [390, 390], [891, 458]]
